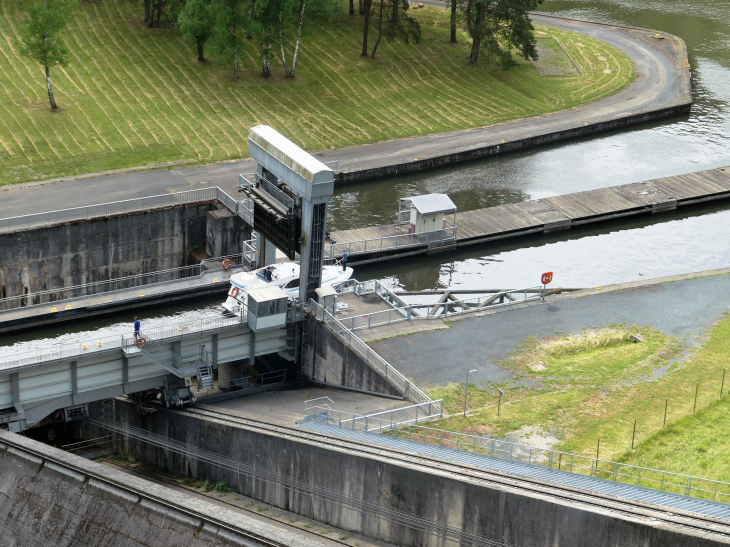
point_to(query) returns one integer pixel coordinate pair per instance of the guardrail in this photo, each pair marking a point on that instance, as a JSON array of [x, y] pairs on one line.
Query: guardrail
[[665, 481], [375, 361], [120, 283], [101, 210], [389, 243], [380, 421], [441, 309], [124, 342]]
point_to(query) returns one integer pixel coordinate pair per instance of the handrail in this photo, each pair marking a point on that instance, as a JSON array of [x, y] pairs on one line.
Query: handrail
[[389, 243], [398, 314], [88, 212], [686, 485], [124, 342], [380, 365], [384, 419], [126, 282]]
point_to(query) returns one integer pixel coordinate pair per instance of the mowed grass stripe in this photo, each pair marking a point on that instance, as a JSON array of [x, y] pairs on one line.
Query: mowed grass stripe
[[134, 96]]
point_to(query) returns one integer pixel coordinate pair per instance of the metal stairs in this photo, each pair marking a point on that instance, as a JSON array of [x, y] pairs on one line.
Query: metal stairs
[[205, 375]]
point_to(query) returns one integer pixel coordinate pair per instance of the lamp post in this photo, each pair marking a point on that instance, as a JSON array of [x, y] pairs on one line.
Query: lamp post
[[466, 391], [499, 405]]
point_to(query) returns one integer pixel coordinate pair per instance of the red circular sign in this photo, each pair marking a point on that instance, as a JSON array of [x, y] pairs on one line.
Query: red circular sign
[[547, 277]]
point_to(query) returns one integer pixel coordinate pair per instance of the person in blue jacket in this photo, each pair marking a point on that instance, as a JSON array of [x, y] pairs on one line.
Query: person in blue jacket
[[137, 325]]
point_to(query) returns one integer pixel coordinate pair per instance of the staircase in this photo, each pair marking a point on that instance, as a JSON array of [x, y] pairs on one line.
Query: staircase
[[205, 375]]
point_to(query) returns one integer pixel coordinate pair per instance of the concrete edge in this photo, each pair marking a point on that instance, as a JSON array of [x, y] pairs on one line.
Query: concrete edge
[[154, 496]]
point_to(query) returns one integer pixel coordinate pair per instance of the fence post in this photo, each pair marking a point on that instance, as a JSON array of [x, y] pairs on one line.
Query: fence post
[[441, 439], [366, 424]]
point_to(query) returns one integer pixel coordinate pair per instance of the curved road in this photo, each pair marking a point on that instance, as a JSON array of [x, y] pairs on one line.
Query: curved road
[[661, 82]]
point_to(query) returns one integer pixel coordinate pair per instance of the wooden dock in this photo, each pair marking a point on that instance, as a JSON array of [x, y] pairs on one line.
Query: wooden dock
[[378, 243]]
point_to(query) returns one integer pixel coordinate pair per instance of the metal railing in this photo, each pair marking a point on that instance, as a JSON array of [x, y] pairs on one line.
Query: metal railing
[[250, 254], [267, 186], [375, 361], [124, 342], [665, 481], [120, 283], [245, 211], [387, 419], [389, 243], [442, 309], [372, 286], [101, 210]]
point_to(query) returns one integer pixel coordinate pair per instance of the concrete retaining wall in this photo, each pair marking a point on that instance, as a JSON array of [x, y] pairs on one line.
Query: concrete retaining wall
[[393, 170], [78, 502], [326, 359], [466, 504], [88, 251]]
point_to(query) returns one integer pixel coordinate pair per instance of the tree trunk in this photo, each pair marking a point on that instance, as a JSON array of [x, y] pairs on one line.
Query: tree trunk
[[151, 20], [235, 61], [476, 37], [159, 12], [365, 29], [299, 38], [394, 16], [380, 31], [51, 98], [453, 22], [360, 7], [265, 60], [352, 7], [250, 18], [201, 58], [146, 10]]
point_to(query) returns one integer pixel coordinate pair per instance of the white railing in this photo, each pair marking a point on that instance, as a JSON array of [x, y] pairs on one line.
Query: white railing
[[124, 342], [388, 419], [442, 309], [665, 481], [117, 208], [389, 243], [375, 361], [122, 283]]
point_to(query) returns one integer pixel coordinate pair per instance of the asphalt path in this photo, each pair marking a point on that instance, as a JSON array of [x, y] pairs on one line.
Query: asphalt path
[[683, 309], [660, 82]]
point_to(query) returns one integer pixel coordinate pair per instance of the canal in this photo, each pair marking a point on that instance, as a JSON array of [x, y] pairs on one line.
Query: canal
[[622, 252], [671, 243]]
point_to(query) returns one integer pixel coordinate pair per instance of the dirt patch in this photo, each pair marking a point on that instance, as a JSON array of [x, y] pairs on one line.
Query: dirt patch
[[534, 436]]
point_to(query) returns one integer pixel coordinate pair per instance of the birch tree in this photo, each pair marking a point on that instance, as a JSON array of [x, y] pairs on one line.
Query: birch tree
[[502, 26], [322, 11], [40, 35], [196, 24], [230, 25]]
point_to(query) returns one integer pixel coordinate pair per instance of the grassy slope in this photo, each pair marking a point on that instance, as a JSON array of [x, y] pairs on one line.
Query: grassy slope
[[136, 96], [599, 393]]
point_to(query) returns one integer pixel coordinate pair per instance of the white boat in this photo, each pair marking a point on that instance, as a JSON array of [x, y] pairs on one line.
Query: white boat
[[284, 275]]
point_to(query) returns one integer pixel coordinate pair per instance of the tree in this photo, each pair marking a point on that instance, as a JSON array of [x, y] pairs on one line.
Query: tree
[[322, 10], [229, 22], [196, 23], [503, 25], [266, 27], [398, 25], [366, 27], [40, 35]]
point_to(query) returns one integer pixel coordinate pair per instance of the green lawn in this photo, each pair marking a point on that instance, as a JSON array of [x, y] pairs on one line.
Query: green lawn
[[136, 96], [589, 390]]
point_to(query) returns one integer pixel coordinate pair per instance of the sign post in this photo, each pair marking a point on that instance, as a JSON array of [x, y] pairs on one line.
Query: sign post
[[547, 277]]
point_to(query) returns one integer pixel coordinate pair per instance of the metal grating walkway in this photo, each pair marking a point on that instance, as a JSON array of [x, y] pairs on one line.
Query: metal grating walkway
[[636, 493]]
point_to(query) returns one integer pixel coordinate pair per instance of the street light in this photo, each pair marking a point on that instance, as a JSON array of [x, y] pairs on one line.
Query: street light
[[466, 391], [499, 405]]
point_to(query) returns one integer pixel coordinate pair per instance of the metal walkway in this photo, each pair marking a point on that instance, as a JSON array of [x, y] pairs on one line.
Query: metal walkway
[[592, 484]]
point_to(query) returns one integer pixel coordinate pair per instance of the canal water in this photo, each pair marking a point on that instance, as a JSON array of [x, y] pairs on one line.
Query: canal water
[[621, 252], [671, 243]]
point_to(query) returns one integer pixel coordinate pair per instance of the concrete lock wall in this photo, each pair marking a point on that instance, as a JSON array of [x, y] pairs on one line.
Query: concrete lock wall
[[508, 514], [51, 498], [326, 359], [88, 251]]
